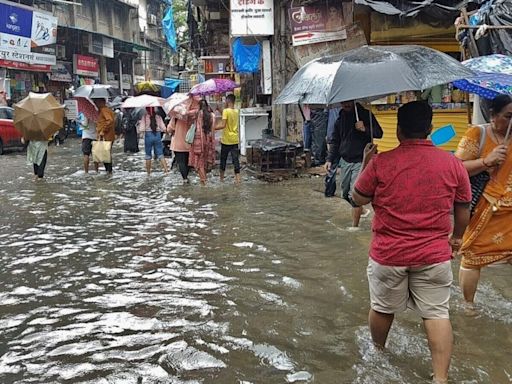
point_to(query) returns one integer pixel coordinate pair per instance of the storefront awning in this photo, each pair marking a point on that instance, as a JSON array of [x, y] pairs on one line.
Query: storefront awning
[[442, 9]]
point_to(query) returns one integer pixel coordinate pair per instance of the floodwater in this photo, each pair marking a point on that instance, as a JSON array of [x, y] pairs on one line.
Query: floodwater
[[132, 280]]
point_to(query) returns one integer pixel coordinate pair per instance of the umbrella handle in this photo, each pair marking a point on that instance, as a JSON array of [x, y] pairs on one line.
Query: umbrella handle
[[357, 113], [371, 124], [508, 131]]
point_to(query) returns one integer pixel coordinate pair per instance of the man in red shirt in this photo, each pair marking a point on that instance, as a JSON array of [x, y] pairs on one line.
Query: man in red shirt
[[413, 190]]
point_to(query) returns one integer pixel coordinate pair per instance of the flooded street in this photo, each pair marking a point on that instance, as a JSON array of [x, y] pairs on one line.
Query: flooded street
[[132, 280]]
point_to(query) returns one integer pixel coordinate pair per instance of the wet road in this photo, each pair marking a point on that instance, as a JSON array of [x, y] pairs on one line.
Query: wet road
[[115, 280]]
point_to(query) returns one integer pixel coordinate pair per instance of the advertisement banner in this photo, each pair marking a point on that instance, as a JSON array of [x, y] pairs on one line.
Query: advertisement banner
[[252, 17], [85, 65], [15, 43], [61, 72], [319, 22], [15, 20], [101, 45], [44, 29], [23, 31]]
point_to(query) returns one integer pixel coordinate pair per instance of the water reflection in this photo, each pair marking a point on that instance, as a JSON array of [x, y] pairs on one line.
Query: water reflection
[[115, 280]]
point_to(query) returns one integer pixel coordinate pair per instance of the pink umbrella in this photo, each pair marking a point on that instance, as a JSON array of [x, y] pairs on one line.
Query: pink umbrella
[[213, 86], [88, 108], [143, 101], [175, 99]]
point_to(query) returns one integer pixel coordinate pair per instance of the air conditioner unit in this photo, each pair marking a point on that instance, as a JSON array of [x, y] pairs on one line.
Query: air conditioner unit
[[152, 19], [61, 51]]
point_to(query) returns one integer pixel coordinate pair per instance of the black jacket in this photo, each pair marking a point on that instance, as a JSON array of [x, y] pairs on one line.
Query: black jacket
[[347, 142]]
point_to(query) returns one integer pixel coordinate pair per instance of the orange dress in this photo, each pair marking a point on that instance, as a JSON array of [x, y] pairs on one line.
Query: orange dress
[[488, 237]]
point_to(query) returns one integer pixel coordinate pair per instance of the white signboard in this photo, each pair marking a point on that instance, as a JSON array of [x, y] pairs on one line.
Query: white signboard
[[14, 43], [71, 109], [44, 29], [252, 17], [30, 57]]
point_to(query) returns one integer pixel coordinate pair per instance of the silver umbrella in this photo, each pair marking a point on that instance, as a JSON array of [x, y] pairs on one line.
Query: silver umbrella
[[371, 71], [96, 91]]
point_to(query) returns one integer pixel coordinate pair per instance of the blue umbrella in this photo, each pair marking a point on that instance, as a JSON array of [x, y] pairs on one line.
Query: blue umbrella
[[494, 76]]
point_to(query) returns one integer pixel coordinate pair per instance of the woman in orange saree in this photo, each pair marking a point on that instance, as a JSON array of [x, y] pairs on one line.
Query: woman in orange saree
[[488, 237]]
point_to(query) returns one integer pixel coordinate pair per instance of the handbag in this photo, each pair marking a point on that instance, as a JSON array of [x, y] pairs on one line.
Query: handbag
[[101, 151], [480, 180], [191, 133]]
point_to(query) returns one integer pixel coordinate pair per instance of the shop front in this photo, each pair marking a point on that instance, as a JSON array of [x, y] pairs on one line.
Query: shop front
[[450, 105], [86, 69]]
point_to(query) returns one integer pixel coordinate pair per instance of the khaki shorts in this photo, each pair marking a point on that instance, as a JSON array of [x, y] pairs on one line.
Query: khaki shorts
[[425, 289]]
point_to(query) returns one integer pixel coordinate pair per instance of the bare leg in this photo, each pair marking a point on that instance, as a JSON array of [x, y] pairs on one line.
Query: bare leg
[[356, 216], [148, 167], [238, 179], [440, 342], [164, 165], [86, 163], [468, 280], [97, 167], [202, 175], [221, 174], [380, 324]]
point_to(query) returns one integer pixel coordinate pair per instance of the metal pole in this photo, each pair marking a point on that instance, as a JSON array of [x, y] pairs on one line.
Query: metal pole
[[120, 76], [282, 48]]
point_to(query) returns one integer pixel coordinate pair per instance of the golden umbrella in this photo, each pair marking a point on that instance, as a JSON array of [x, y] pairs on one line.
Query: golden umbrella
[[38, 116]]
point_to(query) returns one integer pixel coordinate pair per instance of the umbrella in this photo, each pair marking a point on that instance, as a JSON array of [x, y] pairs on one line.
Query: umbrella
[[88, 108], [38, 116], [370, 71], [213, 86], [148, 88], [96, 91], [174, 100], [143, 101], [180, 109], [494, 76]]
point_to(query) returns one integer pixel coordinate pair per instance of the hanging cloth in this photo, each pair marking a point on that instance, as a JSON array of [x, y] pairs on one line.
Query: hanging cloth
[[246, 58]]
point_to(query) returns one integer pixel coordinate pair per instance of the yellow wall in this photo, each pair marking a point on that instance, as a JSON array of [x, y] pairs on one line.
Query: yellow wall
[[387, 120]]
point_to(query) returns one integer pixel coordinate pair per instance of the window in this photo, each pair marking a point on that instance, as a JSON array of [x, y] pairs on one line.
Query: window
[[85, 10], [118, 17], [6, 113]]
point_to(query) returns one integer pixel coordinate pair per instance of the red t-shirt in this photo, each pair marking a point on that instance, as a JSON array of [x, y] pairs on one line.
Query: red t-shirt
[[413, 189]]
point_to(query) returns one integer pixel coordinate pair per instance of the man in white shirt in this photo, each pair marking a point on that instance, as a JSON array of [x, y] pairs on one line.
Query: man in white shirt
[[88, 136]]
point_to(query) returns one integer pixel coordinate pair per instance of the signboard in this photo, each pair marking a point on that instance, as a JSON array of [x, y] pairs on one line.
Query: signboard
[[85, 65], [101, 45], [252, 17], [61, 72], [306, 53], [319, 22], [71, 109], [24, 66], [23, 31]]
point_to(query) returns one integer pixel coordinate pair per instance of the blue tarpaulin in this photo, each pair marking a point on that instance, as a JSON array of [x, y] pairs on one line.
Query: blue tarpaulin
[[246, 57], [169, 87], [169, 29]]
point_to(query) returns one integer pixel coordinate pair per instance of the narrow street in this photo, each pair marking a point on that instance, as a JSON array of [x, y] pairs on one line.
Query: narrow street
[[114, 280]]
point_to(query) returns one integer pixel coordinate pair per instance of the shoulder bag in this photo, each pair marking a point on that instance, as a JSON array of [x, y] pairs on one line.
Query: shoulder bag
[[480, 180]]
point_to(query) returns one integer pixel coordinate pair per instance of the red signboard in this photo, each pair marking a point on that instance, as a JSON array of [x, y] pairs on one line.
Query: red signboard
[[86, 65], [24, 66]]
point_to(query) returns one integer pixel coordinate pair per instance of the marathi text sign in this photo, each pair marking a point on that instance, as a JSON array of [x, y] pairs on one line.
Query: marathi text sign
[[319, 22], [85, 65], [305, 53], [252, 17]]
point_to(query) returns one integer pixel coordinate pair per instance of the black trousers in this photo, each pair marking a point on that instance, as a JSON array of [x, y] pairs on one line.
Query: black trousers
[[182, 160], [39, 169], [225, 150]]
